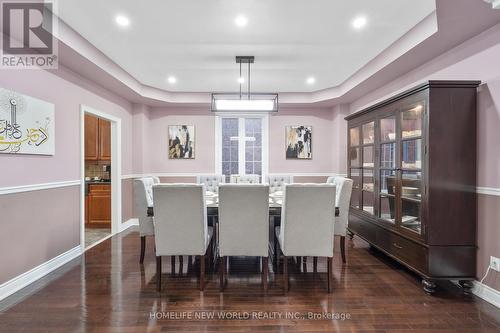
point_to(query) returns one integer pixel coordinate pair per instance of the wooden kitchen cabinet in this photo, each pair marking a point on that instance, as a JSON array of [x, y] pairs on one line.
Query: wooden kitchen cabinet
[[91, 138], [99, 206], [104, 140], [97, 139]]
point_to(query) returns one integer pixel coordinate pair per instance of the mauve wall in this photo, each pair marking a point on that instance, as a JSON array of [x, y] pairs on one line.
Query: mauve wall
[[477, 59], [51, 226], [67, 95], [30, 237], [156, 140], [322, 140], [155, 157]]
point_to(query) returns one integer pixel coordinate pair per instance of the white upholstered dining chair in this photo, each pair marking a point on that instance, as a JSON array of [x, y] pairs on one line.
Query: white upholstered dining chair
[[245, 179], [143, 198], [277, 182], [343, 197], [180, 224], [307, 224], [211, 182], [243, 225]]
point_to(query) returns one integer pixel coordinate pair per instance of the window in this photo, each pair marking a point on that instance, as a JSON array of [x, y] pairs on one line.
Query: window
[[241, 145]]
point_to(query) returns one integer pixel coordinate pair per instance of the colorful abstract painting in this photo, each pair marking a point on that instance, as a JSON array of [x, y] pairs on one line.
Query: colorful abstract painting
[[26, 125], [180, 141], [299, 142]]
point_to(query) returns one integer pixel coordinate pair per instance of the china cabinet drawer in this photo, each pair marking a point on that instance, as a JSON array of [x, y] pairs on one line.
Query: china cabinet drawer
[[362, 228], [413, 254]]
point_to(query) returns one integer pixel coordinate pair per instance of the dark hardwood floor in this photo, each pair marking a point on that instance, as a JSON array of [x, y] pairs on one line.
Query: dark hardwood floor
[[108, 291]]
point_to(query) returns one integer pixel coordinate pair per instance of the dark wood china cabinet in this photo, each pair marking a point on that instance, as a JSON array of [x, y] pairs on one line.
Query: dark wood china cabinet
[[413, 162]]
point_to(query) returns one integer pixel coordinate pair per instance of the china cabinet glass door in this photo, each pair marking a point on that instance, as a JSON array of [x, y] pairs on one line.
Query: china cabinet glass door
[[387, 169], [355, 165], [411, 146], [400, 145], [368, 167]]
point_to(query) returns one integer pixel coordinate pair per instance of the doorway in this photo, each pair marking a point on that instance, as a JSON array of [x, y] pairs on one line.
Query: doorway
[[100, 156]]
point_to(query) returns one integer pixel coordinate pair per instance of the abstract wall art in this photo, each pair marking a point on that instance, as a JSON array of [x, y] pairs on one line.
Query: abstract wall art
[[299, 142], [181, 142], [26, 124]]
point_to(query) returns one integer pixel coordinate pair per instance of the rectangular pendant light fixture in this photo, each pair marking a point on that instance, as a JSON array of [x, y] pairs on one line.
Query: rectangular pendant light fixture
[[244, 101]]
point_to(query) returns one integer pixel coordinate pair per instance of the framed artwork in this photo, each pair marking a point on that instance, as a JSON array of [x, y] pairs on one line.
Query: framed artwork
[[181, 141], [26, 124], [298, 142]]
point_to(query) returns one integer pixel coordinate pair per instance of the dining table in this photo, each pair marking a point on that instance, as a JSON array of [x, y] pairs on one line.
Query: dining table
[[212, 202]]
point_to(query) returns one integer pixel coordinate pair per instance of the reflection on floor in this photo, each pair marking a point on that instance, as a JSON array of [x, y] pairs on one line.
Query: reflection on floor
[[93, 235], [107, 290]]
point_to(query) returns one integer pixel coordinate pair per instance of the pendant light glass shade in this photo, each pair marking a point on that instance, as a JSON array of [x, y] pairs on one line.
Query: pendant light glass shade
[[227, 102]]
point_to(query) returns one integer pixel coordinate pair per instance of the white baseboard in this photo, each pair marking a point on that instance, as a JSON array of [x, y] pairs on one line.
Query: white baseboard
[[130, 223], [487, 293], [21, 281]]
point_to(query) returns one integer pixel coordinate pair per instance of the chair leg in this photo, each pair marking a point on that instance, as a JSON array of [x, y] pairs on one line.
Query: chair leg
[[209, 254], [342, 248], [181, 264], [277, 257], [222, 268], [276, 251], [315, 264], [158, 273], [143, 249], [285, 273], [265, 271], [172, 263], [226, 270], [330, 274], [202, 272]]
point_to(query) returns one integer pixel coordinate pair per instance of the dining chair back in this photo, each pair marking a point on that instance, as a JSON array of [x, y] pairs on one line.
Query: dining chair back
[[307, 224], [180, 219], [143, 198], [180, 223], [307, 220], [211, 182], [277, 182], [343, 199], [245, 179], [244, 224]]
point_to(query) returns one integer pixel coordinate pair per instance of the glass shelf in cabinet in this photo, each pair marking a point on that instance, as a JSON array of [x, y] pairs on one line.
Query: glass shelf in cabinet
[[354, 139], [388, 129], [411, 121], [416, 199], [368, 131]]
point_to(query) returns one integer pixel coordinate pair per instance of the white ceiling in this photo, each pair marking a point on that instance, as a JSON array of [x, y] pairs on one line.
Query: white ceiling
[[196, 40]]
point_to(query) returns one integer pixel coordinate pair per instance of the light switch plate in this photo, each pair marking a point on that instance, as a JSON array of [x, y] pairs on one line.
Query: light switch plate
[[495, 263]]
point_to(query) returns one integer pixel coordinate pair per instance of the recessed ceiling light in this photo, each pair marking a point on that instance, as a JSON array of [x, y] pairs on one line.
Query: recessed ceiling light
[[241, 21], [171, 79], [122, 21], [241, 80], [311, 80], [359, 22]]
